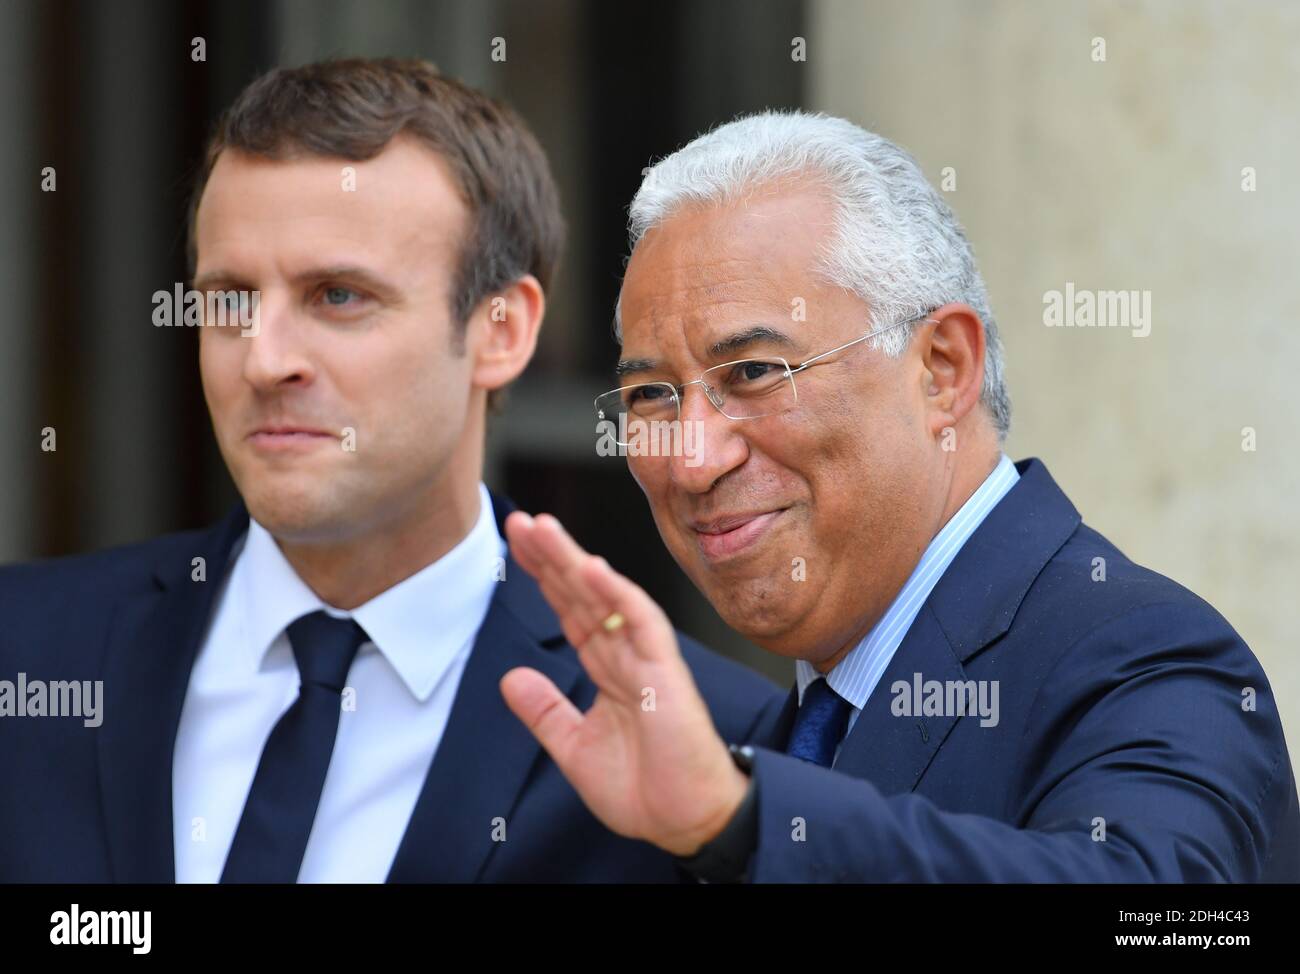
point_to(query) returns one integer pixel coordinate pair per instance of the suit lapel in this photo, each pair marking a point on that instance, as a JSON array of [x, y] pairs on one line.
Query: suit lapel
[[773, 730], [893, 751], [486, 753], [978, 596], [152, 643], [972, 605]]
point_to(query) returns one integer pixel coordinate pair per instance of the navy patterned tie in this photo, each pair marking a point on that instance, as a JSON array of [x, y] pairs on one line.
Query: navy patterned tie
[[819, 724], [281, 806]]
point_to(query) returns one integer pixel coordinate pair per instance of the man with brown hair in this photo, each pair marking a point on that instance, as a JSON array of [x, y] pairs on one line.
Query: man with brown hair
[[309, 691]]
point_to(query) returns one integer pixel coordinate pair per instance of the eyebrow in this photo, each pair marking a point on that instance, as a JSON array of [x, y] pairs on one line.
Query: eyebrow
[[750, 336], [631, 366], [315, 275], [737, 342], [205, 281]]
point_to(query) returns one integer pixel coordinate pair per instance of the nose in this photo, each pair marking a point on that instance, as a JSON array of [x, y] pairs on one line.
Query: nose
[[712, 445], [276, 355]]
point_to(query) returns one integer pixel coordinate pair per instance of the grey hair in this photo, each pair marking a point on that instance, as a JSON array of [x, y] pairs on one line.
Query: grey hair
[[896, 244]]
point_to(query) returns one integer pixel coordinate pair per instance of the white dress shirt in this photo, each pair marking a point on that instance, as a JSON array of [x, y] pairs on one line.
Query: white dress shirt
[[404, 681], [856, 675]]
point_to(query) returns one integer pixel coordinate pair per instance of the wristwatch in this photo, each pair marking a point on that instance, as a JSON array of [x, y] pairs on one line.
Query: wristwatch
[[725, 858]]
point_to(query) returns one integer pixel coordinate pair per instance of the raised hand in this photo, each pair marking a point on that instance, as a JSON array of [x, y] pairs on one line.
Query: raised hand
[[645, 757]]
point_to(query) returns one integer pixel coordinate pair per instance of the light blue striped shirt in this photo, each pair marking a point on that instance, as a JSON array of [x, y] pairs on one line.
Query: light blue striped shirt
[[856, 675]]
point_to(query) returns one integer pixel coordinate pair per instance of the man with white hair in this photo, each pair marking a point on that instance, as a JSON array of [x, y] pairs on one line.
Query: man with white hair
[[986, 688]]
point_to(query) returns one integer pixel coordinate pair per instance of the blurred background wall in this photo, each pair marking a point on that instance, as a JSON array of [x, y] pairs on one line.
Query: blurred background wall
[[1128, 173], [1117, 166]]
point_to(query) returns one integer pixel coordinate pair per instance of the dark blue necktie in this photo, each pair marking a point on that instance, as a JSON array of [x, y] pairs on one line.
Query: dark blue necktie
[[272, 835], [819, 724]]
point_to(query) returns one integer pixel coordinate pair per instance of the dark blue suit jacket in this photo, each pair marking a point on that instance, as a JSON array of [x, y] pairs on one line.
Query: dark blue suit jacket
[[1123, 752], [86, 804]]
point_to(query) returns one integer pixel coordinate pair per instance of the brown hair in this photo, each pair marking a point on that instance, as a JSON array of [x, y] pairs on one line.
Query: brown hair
[[353, 108]]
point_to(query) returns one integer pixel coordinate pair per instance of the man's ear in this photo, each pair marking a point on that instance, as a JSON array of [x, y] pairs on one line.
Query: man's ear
[[504, 332], [952, 351]]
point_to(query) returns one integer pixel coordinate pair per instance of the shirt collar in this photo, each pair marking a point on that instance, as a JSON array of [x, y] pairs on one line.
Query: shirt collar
[[420, 625], [856, 675]]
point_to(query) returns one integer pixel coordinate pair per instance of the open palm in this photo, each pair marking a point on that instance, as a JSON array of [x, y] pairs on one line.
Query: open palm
[[645, 757]]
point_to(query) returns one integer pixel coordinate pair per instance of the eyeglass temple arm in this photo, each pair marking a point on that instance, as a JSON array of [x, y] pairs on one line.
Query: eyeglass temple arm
[[880, 331]]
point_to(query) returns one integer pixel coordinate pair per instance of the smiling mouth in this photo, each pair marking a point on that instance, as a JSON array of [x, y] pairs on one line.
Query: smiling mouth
[[731, 536]]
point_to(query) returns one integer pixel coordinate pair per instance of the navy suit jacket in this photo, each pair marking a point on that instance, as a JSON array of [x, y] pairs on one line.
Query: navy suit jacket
[[1126, 748], [94, 805]]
